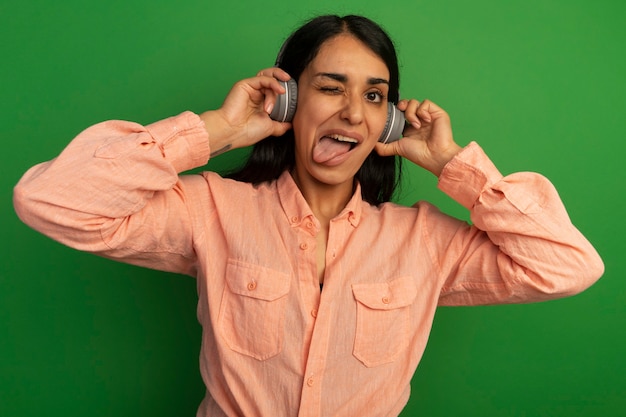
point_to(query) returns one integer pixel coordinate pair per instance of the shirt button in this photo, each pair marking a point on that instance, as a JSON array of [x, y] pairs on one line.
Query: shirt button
[[251, 285], [314, 313], [385, 300], [304, 246], [310, 382], [294, 219], [309, 225]]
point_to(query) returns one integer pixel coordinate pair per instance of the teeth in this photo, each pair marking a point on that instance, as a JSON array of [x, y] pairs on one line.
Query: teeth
[[343, 138]]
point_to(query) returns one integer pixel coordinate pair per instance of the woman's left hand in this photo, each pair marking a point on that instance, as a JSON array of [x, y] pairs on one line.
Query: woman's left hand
[[427, 139]]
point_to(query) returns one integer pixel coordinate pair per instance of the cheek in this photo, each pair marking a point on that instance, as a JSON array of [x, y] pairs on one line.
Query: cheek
[[299, 128], [377, 125], [306, 121], [303, 132]]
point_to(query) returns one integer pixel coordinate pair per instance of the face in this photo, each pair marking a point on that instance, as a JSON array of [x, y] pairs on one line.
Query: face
[[341, 111]]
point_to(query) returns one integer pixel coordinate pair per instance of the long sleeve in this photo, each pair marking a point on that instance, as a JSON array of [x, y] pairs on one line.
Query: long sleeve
[[94, 196], [523, 247]]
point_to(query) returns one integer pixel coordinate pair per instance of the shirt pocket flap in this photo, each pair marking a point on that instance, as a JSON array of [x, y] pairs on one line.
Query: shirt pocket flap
[[386, 295], [256, 281]]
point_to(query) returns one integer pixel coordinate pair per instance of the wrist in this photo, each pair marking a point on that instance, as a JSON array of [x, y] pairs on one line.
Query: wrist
[[444, 157], [217, 128]]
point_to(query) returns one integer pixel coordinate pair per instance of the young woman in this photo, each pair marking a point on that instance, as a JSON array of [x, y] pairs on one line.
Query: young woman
[[316, 294]]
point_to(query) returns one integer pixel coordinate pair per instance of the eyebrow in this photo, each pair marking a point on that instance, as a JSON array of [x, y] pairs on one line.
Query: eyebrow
[[343, 78]]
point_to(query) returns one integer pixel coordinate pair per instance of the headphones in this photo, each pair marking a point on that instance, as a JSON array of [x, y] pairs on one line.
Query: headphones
[[285, 108]]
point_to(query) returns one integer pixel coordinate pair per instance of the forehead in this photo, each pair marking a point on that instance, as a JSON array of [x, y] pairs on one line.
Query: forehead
[[346, 54]]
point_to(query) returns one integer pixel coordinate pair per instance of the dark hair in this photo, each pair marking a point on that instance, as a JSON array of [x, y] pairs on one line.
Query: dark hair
[[269, 158]]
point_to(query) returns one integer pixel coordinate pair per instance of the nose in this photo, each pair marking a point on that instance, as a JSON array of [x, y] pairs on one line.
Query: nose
[[352, 110]]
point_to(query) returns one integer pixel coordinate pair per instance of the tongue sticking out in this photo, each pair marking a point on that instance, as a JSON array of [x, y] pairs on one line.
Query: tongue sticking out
[[329, 148]]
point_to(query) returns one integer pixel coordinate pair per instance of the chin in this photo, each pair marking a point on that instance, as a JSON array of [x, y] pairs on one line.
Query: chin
[[333, 175]]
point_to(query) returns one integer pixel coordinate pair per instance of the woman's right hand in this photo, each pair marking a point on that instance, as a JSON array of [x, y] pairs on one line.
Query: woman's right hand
[[243, 119]]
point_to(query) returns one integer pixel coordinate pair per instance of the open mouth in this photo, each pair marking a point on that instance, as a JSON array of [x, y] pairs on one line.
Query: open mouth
[[333, 146], [344, 139]]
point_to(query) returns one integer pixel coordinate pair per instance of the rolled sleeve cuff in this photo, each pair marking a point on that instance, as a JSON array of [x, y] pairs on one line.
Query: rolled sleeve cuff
[[466, 176], [184, 140]]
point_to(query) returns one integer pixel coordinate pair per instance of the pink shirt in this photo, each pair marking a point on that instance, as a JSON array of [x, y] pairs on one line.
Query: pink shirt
[[273, 344]]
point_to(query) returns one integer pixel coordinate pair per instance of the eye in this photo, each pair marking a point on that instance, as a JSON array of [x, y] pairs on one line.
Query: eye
[[374, 96], [331, 90]]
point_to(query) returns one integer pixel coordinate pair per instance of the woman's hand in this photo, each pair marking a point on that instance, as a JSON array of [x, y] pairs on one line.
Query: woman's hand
[[427, 140], [243, 119]]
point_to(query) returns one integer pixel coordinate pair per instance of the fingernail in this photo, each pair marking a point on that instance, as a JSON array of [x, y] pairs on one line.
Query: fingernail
[[416, 125], [269, 108]]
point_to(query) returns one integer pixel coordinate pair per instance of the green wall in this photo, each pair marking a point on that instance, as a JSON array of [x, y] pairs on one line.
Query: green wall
[[538, 83]]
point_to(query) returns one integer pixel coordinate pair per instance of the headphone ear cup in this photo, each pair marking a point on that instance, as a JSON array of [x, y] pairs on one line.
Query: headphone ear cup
[[285, 106], [394, 125]]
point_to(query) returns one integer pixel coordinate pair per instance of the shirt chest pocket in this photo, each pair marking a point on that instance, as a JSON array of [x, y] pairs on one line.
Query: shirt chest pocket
[[252, 314], [382, 320]]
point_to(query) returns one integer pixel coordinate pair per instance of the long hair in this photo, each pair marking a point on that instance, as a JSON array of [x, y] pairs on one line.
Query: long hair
[[269, 158]]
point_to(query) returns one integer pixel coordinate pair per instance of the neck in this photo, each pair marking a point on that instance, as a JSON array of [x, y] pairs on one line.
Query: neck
[[325, 200]]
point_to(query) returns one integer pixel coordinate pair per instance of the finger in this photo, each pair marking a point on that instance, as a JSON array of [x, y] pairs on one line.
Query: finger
[[386, 149], [264, 90], [271, 89], [280, 128], [432, 112], [402, 104], [424, 111], [410, 113], [266, 82], [271, 97], [274, 72]]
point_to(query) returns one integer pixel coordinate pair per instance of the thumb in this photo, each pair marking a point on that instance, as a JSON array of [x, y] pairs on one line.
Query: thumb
[[280, 128], [386, 149]]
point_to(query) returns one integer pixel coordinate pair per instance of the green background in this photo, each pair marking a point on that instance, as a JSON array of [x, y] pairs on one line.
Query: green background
[[538, 83]]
